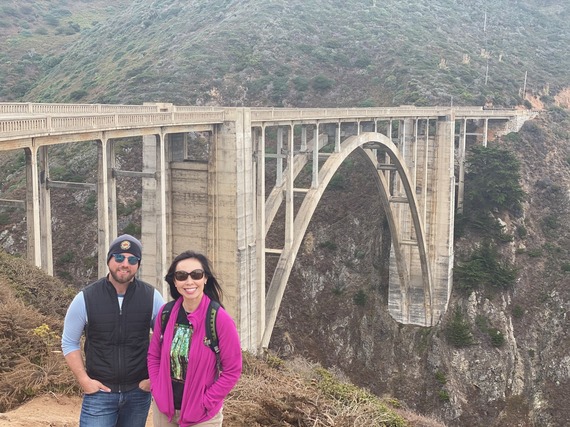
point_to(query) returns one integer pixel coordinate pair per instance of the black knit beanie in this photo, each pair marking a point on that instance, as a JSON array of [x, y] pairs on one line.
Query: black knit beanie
[[125, 244]]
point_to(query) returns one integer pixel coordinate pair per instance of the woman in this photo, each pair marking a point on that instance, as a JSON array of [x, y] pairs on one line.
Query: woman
[[186, 386]]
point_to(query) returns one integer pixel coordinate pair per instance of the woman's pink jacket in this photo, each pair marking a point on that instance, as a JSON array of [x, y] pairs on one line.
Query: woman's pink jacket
[[204, 391]]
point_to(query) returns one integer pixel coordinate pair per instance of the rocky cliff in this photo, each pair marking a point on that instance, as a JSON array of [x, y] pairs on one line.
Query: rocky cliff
[[515, 368]]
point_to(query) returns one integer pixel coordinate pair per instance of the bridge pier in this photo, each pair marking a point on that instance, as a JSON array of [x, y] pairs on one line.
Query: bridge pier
[[209, 207], [33, 210], [431, 170]]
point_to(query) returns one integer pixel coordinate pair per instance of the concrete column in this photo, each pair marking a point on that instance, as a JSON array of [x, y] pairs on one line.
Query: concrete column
[[315, 180], [260, 226], [279, 178], [461, 186], [424, 196], [45, 212], [112, 189], [231, 231], [33, 207], [414, 171], [337, 139], [155, 226], [442, 217], [161, 176], [103, 208], [303, 138], [485, 132], [289, 195]]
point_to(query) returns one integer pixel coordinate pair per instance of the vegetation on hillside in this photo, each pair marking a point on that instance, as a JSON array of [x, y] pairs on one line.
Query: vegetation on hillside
[[298, 53], [492, 188]]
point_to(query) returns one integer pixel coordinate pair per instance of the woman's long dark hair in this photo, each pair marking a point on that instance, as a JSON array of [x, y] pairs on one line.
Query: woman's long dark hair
[[211, 288]]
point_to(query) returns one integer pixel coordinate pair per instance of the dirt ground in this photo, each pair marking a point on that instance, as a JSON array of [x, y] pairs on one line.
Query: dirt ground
[[47, 411]]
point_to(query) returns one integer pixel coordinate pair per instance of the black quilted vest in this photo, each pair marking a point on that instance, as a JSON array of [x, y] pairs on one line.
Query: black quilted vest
[[116, 341]]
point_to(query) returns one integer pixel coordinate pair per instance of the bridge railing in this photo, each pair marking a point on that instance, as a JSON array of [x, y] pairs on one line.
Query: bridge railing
[[278, 114], [25, 108], [30, 126], [35, 119]]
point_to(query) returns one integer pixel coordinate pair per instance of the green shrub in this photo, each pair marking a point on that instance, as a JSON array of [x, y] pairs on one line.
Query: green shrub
[[360, 298], [534, 253], [493, 180], [497, 337], [481, 322], [338, 182], [367, 103], [486, 225], [332, 246], [458, 331], [300, 84], [517, 311], [4, 218], [338, 289], [67, 258], [132, 229], [90, 206], [321, 83], [77, 95], [550, 222], [484, 269], [440, 377]]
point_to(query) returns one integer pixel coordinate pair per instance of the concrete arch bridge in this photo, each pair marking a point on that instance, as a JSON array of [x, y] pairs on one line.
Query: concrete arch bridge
[[213, 162]]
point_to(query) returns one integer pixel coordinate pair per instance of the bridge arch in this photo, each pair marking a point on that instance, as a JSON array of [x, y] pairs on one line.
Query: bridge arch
[[367, 143]]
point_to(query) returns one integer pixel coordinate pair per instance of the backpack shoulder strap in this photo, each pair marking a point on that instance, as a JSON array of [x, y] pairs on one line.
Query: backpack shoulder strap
[[211, 339], [165, 315]]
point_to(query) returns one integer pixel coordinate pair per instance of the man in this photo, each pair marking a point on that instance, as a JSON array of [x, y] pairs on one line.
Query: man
[[117, 313]]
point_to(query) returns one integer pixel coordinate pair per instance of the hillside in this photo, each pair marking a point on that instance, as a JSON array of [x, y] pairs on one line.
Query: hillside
[[271, 391], [298, 53], [512, 367]]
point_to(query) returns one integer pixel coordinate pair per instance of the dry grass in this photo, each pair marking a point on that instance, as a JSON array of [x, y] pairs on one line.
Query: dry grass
[[271, 392], [30, 360]]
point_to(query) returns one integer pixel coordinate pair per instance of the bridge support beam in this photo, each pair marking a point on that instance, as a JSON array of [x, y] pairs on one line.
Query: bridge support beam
[[213, 211], [155, 231], [232, 224], [434, 185], [45, 212], [33, 207], [104, 203]]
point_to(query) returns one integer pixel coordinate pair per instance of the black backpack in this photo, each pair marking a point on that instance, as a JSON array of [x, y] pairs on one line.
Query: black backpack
[[211, 338]]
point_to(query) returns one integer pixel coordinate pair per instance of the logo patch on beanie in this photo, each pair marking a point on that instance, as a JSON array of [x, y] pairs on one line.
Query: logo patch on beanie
[[125, 244]]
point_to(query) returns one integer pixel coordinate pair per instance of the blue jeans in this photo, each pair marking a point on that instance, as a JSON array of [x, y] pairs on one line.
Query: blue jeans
[[103, 409]]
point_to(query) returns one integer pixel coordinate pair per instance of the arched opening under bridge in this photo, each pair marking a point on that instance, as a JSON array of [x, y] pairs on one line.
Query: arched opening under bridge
[[395, 189]]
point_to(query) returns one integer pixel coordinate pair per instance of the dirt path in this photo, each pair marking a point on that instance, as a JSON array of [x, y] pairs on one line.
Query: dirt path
[[46, 411]]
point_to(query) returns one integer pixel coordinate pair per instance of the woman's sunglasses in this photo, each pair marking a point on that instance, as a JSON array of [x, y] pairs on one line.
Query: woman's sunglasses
[[194, 275]]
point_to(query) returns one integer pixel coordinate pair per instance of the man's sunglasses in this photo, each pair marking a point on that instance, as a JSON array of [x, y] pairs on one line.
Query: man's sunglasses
[[183, 275], [133, 260]]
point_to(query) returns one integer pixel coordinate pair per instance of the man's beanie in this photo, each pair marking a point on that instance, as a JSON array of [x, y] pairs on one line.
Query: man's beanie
[[125, 244]]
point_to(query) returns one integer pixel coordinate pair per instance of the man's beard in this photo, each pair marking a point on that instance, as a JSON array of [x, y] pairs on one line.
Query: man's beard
[[122, 279]]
